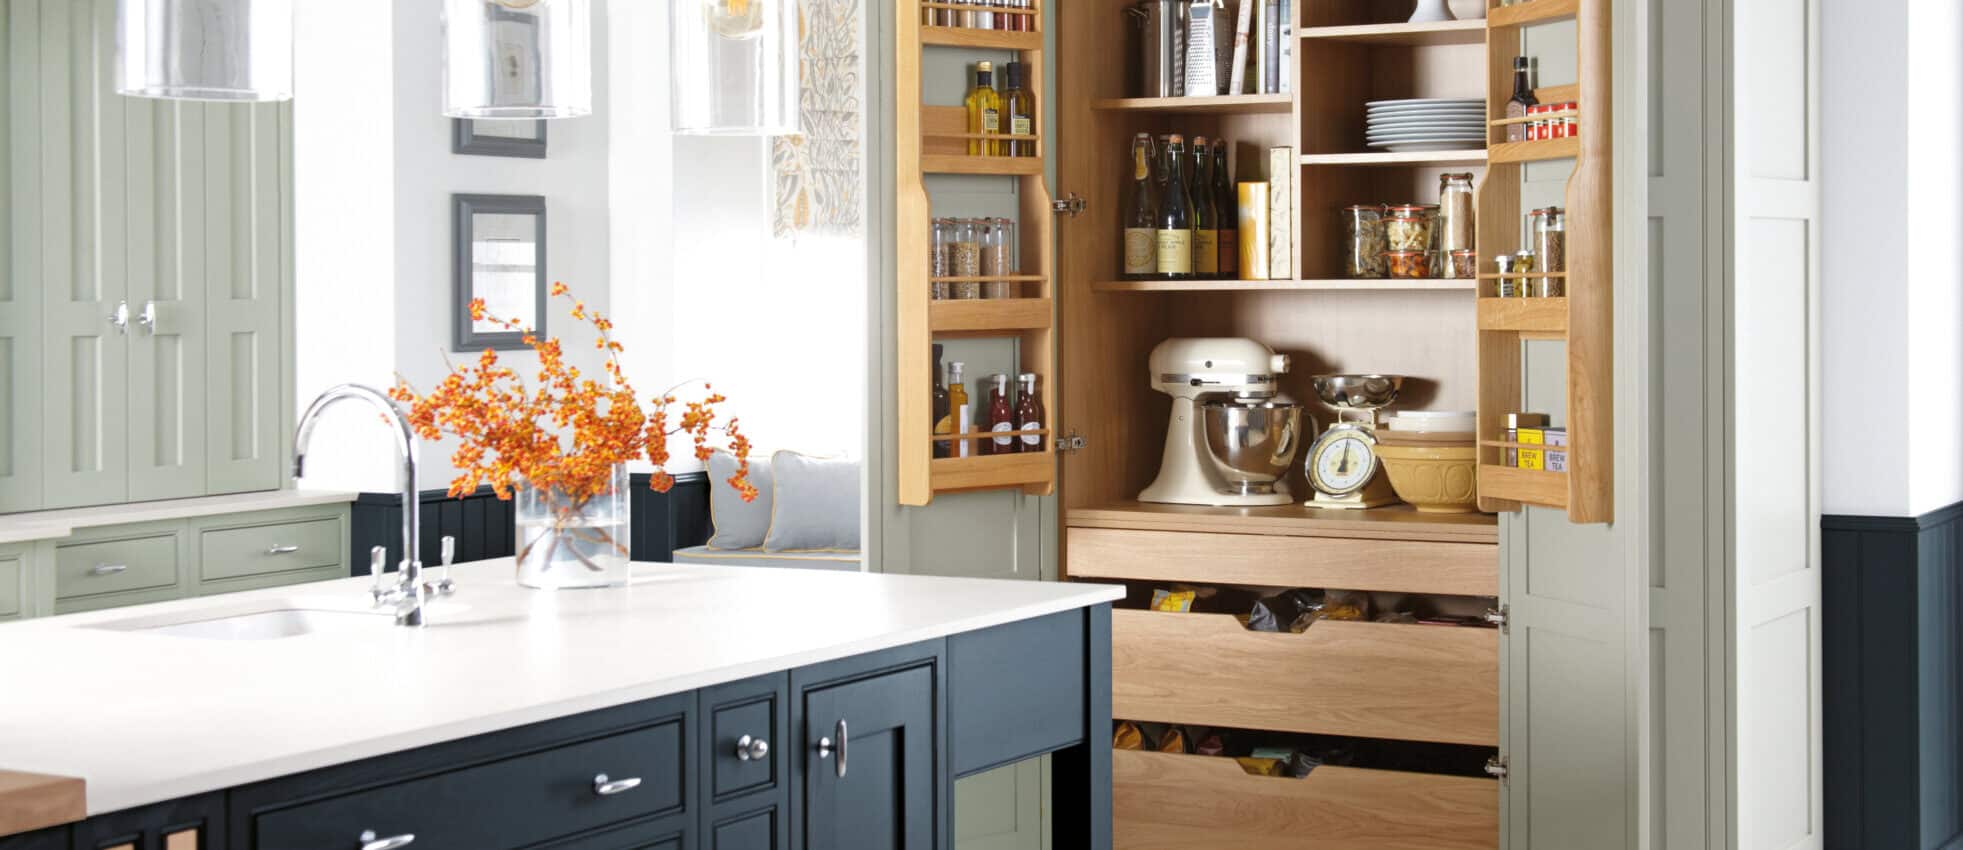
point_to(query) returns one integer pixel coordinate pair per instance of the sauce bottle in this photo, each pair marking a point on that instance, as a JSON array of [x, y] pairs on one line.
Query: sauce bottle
[[942, 425], [1001, 418], [1029, 412], [958, 419]]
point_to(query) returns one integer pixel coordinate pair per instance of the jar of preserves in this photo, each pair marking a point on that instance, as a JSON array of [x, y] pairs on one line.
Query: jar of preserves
[[1408, 265], [1454, 228], [1462, 265], [1408, 228], [964, 256], [1363, 241], [1523, 266]]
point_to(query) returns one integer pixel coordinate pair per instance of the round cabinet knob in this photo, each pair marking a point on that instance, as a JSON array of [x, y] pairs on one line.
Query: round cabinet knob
[[751, 749]]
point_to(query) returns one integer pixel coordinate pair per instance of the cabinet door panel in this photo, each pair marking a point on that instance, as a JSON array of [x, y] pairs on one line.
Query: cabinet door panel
[[754, 831], [167, 270], [21, 180], [882, 731], [245, 246]]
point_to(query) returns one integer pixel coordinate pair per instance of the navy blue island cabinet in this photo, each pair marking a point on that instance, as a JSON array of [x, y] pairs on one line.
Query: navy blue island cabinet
[[859, 753]]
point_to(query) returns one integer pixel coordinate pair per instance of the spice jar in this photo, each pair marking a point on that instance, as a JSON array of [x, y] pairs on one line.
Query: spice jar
[[1454, 228], [998, 257], [1408, 265], [1363, 242], [940, 260], [1408, 228], [1506, 285], [965, 258], [1550, 234], [1461, 265]]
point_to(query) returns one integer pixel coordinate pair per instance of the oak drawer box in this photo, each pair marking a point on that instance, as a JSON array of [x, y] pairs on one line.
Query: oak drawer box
[[261, 549], [1404, 566], [86, 569], [515, 802], [1162, 801], [1368, 680]]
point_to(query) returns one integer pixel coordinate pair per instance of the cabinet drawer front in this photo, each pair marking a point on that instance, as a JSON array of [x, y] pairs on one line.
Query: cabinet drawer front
[[1404, 566], [1162, 801], [86, 569], [509, 803], [1369, 680], [10, 570], [757, 719], [261, 549], [753, 831]]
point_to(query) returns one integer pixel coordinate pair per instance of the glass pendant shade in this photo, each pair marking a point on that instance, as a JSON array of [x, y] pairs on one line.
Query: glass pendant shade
[[233, 50], [517, 59], [734, 67]]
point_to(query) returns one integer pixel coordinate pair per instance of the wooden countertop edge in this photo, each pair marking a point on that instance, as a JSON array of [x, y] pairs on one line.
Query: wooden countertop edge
[[31, 801], [1411, 526]]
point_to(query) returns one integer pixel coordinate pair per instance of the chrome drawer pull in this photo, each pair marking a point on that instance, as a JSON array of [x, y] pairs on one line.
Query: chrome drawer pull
[[370, 842], [107, 569], [751, 749], [287, 549], [608, 787]]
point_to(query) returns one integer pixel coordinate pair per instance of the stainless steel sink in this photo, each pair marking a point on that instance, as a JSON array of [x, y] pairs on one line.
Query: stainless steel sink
[[259, 625]]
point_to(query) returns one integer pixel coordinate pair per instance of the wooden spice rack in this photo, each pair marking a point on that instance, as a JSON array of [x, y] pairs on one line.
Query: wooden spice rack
[[934, 140], [1584, 319]]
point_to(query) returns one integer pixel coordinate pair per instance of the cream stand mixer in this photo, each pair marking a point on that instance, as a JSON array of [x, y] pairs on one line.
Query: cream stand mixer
[[1229, 439]]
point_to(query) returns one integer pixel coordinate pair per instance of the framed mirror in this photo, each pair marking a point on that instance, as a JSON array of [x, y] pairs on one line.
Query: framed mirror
[[489, 137], [499, 256]]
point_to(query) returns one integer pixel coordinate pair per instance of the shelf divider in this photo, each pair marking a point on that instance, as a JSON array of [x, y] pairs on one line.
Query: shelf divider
[[1322, 285]]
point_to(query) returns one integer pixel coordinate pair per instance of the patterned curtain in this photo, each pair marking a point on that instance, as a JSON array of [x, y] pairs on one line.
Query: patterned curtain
[[818, 174]]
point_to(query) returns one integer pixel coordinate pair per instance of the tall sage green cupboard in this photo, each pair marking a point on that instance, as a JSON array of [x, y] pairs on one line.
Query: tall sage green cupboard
[[145, 261]]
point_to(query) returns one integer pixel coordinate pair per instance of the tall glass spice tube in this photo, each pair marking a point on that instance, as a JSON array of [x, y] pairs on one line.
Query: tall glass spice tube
[[939, 262], [965, 251], [996, 258]]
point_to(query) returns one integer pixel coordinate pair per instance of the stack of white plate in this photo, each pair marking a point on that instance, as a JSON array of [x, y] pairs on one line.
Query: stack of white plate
[[1432, 421], [1426, 124]]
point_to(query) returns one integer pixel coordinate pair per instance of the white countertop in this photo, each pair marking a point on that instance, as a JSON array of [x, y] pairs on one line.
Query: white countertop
[[45, 525], [146, 717]]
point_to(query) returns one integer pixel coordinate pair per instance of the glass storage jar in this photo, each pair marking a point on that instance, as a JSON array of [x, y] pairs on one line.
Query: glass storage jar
[[1363, 242], [998, 257], [1408, 228], [964, 256], [1454, 228], [1550, 231], [939, 261], [1408, 265]]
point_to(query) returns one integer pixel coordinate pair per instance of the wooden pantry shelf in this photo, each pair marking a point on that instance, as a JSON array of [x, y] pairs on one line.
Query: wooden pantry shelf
[[1395, 522], [964, 164], [1538, 150], [1035, 472], [980, 39], [1529, 119], [1231, 104], [1531, 12], [1327, 285], [1524, 315], [1403, 35], [978, 317], [1527, 486], [1399, 159]]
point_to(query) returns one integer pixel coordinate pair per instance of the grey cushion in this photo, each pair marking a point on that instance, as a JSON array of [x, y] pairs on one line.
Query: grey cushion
[[816, 506], [739, 524]]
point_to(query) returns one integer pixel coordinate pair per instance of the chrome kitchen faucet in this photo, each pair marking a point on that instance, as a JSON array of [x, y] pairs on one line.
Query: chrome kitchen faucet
[[408, 594]]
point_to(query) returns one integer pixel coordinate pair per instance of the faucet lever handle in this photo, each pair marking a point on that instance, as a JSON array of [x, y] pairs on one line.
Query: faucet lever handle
[[449, 549], [378, 562], [443, 583]]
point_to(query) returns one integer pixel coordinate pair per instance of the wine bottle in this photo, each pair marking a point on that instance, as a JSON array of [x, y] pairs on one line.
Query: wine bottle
[[1206, 216], [1174, 223], [1141, 212]]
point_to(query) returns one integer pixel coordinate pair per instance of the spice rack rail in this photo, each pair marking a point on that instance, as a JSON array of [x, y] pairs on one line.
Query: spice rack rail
[[932, 139], [1583, 320]]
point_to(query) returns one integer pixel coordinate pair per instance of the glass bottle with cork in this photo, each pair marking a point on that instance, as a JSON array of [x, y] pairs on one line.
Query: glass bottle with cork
[[1141, 213], [984, 112], [1174, 222]]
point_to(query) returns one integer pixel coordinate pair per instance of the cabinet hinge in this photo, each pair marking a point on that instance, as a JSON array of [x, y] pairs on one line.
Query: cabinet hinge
[[1497, 617], [1071, 442], [1071, 203], [1496, 768]]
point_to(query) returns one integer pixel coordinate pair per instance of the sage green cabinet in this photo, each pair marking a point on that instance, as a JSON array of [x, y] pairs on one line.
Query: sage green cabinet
[[13, 582], [149, 257]]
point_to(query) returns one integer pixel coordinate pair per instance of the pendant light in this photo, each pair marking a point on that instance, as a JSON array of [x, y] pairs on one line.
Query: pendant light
[[231, 50], [517, 59], [734, 68]]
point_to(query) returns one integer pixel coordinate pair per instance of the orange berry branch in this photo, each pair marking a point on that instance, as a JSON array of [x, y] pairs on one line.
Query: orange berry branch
[[564, 432]]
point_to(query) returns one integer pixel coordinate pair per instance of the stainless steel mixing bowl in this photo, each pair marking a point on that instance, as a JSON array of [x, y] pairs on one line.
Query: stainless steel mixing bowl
[[1363, 392], [1254, 441]]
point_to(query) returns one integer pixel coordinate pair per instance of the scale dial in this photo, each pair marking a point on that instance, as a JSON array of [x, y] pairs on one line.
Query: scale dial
[[1342, 460]]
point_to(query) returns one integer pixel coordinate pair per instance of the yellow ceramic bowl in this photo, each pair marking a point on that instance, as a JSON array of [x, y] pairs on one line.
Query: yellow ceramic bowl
[[1435, 479]]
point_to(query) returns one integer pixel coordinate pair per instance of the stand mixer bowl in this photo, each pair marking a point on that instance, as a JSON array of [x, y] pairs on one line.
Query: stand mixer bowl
[[1254, 442], [1361, 392]]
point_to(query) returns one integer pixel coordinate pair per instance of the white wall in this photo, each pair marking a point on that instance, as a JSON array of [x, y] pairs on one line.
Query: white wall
[[1892, 187]]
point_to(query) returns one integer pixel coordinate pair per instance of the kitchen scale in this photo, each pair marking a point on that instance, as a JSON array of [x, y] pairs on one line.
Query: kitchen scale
[[1342, 465]]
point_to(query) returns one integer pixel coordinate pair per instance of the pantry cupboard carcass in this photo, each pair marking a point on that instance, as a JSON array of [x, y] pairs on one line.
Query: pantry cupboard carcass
[[1088, 330]]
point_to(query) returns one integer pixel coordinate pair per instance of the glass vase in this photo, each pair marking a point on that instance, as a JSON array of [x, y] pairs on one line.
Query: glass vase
[[567, 542]]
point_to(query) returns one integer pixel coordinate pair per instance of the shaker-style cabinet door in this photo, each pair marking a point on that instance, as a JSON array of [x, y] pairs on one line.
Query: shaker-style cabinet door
[[869, 763], [248, 271]]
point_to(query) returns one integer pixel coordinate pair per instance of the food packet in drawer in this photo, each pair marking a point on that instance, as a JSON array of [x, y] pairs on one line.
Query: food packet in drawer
[[1345, 605], [1288, 761], [1289, 610], [1172, 601], [1260, 766], [1173, 741], [1127, 737]]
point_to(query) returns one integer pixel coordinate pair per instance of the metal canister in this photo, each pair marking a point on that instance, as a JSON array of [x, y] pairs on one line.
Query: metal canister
[[1161, 56]]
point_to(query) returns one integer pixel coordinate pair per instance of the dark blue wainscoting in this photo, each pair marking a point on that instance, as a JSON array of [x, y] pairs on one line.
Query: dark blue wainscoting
[[1892, 638], [482, 523]]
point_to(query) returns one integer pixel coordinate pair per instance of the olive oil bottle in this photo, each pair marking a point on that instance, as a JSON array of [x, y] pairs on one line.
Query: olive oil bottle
[[1021, 109], [984, 112]]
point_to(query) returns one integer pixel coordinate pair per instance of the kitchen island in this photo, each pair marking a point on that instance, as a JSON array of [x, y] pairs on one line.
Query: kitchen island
[[700, 707]]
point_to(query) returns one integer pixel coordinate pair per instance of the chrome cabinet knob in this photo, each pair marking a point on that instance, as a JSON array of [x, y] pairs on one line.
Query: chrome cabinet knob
[[148, 318], [369, 841], [120, 317], [608, 787], [752, 749], [826, 747]]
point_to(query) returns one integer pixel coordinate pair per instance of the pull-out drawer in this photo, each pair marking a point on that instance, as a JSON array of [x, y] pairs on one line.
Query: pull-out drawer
[[1162, 801], [261, 549], [112, 566], [1367, 680], [1405, 566], [515, 802]]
